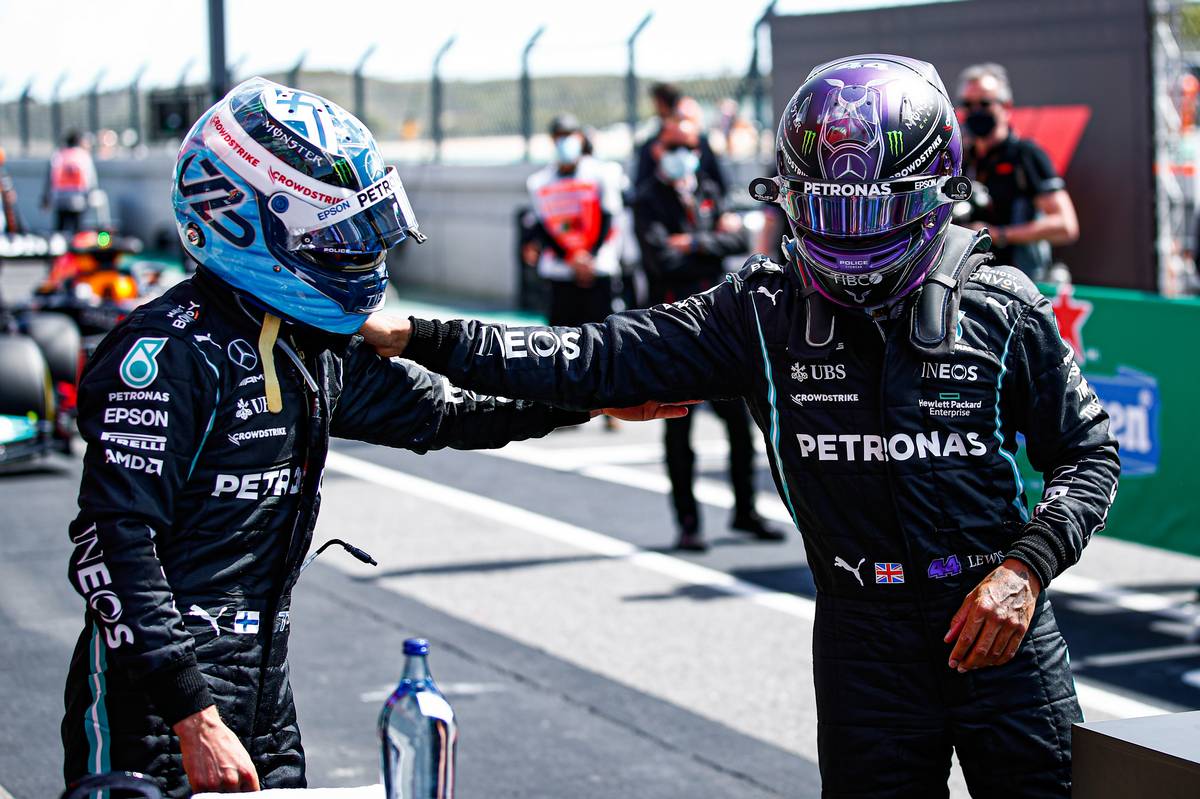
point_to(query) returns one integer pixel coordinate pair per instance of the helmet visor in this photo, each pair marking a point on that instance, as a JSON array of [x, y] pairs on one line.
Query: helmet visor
[[864, 209], [369, 221]]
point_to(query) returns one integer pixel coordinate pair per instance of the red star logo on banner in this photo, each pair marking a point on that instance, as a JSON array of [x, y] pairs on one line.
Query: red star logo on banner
[[1071, 314]]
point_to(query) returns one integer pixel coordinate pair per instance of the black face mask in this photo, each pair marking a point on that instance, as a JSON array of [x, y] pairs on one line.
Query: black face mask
[[981, 122]]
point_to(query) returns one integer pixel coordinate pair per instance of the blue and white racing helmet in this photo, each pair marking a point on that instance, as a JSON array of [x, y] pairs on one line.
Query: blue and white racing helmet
[[284, 195]]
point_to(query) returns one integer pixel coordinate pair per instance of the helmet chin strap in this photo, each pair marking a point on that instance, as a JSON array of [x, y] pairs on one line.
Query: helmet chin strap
[[266, 350], [885, 310]]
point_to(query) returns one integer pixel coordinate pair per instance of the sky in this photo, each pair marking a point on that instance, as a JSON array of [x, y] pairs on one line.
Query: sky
[[81, 38]]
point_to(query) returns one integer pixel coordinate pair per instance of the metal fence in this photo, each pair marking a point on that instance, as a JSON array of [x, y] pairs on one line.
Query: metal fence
[[440, 117]]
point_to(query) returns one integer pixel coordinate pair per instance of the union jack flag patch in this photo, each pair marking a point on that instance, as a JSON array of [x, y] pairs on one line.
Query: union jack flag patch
[[889, 573]]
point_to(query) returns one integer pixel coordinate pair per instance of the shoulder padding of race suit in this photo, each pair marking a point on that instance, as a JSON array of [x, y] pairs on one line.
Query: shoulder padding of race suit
[[935, 311]]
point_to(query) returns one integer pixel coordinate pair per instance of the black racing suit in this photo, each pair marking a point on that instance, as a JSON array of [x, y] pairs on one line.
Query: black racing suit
[[197, 505], [899, 469]]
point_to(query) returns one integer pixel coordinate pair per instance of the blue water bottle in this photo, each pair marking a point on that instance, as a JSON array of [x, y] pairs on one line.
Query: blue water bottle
[[417, 733]]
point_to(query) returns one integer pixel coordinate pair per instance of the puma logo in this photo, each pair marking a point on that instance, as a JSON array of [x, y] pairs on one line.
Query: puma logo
[[841, 564], [199, 612], [772, 294]]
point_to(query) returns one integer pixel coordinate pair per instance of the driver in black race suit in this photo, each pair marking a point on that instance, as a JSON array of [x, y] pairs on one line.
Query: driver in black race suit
[[890, 368], [207, 415]]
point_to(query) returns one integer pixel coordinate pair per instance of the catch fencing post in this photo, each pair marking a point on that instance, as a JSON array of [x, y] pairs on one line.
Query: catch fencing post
[[527, 90], [293, 77], [135, 104], [56, 111], [23, 117], [360, 85], [631, 87], [94, 104], [218, 75], [755, 72], [435, 99]]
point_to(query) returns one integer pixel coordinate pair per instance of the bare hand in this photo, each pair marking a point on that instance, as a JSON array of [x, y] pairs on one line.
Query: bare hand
[[530, 254], [729, 223], [387, 333], [680, 242], [993, 619], [213, 757], [649, 411], [585, 268]]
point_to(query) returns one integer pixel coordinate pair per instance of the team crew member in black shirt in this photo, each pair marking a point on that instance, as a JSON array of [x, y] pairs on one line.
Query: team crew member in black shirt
[[1028, 208], [684, 237]]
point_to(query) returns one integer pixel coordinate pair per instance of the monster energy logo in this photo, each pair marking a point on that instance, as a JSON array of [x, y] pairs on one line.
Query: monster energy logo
[[806, 144], [341, 168], [895, 139]]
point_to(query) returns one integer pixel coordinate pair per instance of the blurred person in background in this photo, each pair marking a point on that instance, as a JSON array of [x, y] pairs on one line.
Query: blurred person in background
[[10, 220], [207, 415], [669, 101], [1025, 207], [684, 237], [70, 183], [577, 206]]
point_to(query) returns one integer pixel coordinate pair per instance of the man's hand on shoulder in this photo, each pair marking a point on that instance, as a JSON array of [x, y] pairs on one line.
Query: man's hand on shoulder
[[991, 622], [387, 333], [213, 757]]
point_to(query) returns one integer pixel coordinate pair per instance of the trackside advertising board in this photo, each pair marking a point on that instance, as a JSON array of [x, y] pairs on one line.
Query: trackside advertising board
[[1138, 353]]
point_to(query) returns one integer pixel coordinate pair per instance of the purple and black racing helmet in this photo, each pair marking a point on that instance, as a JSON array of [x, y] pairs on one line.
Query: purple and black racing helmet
[[869, 157]]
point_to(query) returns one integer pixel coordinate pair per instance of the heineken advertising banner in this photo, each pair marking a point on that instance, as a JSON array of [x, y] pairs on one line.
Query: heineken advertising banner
[[1138, 353]]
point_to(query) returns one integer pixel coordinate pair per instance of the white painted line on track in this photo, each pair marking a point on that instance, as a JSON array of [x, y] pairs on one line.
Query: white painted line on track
[[1091, 695], [609, 463], [642, 452], [579, 537], [708, 492], [1141, 656], [1124, 598], [5, 794], [1119, 706]]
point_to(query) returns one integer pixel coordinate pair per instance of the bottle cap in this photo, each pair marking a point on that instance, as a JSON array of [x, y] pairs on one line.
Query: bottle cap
[[416, 646]]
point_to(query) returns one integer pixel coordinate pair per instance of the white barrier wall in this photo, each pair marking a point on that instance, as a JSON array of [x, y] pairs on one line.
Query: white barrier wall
[[467, 212]]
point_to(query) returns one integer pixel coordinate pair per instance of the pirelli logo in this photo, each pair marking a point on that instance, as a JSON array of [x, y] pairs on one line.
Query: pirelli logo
[[136, 441]]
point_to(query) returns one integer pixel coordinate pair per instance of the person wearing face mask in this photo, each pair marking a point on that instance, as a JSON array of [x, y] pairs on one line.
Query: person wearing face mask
[[1028, 208], [684, 238], [669, 101], [576, 200]]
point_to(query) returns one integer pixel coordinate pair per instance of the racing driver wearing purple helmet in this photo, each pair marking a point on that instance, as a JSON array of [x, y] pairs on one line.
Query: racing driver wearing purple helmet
[[891, 369]]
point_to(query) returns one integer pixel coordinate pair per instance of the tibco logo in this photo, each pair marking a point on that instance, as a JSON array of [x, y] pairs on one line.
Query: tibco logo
[[540, 342], [897, 447]]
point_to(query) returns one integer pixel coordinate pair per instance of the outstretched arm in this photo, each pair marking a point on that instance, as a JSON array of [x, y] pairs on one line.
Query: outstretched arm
[[688, 350], [399, 404]]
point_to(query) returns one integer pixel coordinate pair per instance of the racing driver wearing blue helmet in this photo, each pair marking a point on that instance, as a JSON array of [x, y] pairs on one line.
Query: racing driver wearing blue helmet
[[207, 415], [890, 367]]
